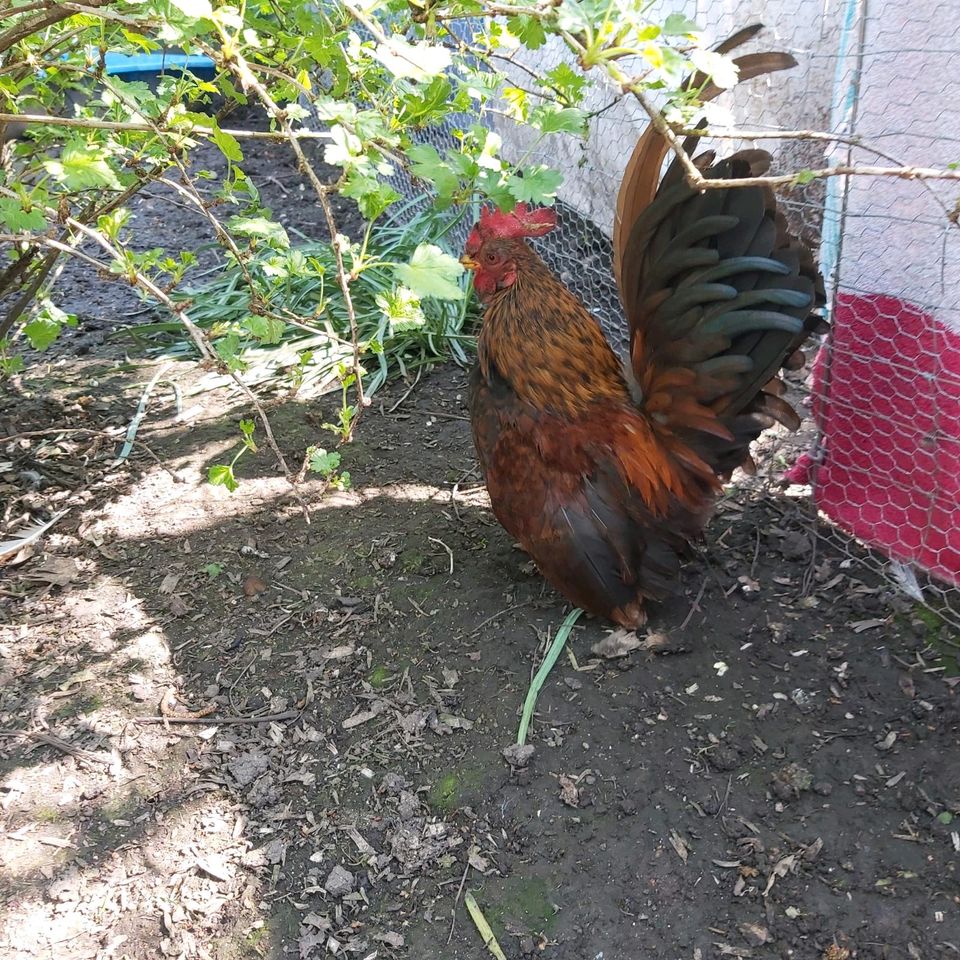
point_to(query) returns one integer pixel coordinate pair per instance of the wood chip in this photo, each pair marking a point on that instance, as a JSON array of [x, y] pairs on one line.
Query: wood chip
[[679, 844]]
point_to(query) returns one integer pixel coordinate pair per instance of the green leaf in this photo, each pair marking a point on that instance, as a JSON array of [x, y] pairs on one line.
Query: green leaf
[[213, 569], [19, 220], [41, 332], [431, 273], [260, 228], [228, 144], [322, 462], [11, 365], [495, 190], [45, 327], [82, 166], [402, 309], [549, 119], [946, 818], [538, 185], [427, 165], [221, 475], [138, 40], [528, 30], [677, 24], [567, 82], [372, 196], [266, 329], [804, 177], [228, 350], [427, 104], [516, 99]]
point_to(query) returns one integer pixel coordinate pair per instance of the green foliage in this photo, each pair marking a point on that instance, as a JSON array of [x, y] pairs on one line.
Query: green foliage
[[379, 74], [326, 463], [431, 273], [221, 474], [409, 298], [365, 80]]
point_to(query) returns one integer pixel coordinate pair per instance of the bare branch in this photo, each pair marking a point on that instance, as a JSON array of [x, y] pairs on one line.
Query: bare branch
[[185, 130], [177, 309], [248, 80], [804, 176]]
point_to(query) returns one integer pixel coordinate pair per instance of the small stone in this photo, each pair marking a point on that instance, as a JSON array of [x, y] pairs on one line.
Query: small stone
[[781, 790], [627, 807], [726, 758], [393, 784], [409, 806], [823, 788], [248, 766], [339, 882]]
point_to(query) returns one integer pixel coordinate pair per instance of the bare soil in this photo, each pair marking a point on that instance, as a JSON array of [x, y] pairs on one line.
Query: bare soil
[[780, 780]]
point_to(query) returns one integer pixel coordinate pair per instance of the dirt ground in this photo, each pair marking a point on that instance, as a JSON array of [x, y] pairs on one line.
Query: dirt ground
[[781, 780]]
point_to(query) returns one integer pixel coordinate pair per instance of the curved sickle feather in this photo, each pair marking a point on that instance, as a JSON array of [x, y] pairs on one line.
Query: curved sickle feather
[[642, 174]]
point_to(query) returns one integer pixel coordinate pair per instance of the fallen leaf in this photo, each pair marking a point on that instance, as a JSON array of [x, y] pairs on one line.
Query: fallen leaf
[[215, 866], [82, 677], [617, 644], [169, 583], [339, 653], [679, 844], [780, 869], [756, 933], [57, 571], [476, 861], [390, 938], [569, 794]]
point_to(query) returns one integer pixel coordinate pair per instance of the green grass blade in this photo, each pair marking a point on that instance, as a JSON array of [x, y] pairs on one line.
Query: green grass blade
[[483, 928], [541, 675]]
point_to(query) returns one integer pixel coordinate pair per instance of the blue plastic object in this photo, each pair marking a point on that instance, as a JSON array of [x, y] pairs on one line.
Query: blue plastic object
[[150, 66]]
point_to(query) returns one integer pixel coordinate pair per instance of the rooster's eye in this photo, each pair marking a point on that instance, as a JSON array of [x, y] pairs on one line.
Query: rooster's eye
[[490, 257]]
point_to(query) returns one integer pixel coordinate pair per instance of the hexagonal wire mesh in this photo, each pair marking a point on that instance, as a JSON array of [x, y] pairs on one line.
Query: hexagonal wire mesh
[[885, 463]]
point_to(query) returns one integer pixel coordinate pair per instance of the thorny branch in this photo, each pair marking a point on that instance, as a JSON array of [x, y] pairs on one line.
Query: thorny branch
[[850, 139], [186, 130], [546, 11], [239, 67], [179, 310], [189, 191]]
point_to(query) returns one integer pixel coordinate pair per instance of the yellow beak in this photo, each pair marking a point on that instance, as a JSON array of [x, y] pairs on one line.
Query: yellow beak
[[469, 262]]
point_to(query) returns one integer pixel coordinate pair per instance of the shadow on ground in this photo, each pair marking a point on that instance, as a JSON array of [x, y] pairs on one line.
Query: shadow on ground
[[773, 785]]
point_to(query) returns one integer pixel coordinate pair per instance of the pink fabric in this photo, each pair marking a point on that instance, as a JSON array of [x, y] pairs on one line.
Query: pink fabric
[[887, 401]]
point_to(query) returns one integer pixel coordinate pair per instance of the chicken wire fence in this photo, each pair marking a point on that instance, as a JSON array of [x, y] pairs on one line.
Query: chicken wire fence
[[884, 461]]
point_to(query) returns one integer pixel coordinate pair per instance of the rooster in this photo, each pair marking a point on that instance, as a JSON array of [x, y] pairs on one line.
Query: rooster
[[606, 470]]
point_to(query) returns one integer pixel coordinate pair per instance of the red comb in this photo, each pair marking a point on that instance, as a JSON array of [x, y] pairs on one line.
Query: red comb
[[521, 222]]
